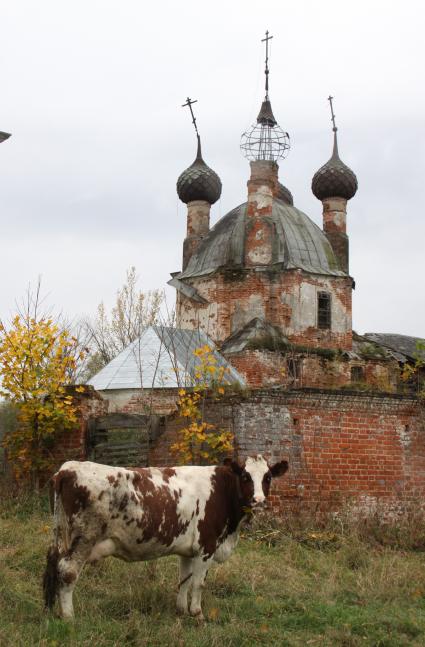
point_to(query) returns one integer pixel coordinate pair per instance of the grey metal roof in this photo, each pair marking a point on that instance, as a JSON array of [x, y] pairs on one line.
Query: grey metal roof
[[161, 357], [400, 344], [298, 243]]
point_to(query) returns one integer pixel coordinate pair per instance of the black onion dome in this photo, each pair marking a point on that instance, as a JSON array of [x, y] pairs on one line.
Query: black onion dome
[[199, 182], [335, 179], [285, 195]]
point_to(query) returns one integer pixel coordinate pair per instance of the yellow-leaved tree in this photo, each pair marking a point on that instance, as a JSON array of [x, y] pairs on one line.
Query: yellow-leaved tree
[[37, 360], [414, 373], [200, 441]]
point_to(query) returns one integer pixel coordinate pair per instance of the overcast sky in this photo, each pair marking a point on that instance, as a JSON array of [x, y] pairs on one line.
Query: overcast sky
[[91, 91]]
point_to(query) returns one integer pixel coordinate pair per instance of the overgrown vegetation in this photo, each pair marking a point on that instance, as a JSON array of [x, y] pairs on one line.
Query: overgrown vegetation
[[413, 374], [200, 441], [369, 350], [274, 343], [37, 359], [290, 584]]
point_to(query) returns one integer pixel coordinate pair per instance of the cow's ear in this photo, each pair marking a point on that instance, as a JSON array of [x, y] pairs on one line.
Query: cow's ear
[[279, 469], [233, 465]]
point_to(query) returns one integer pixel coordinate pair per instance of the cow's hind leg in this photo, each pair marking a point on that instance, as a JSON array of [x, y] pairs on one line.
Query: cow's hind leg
[[184, 584], [200, 569], [69, 569]]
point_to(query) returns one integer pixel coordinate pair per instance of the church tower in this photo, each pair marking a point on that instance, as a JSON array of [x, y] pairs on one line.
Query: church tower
[[266, 270]]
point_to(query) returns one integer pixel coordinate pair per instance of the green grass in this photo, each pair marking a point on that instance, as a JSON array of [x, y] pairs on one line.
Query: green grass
[[279, 588]]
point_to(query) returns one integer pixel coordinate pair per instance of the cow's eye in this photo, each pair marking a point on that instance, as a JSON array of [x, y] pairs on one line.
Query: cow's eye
[[246, 478], [267, 478]]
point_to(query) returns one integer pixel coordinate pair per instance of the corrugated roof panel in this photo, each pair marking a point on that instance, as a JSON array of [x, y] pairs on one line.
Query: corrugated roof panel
[[162, 357]]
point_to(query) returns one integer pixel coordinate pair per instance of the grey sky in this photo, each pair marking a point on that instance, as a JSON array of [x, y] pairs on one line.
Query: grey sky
[[91, 91]]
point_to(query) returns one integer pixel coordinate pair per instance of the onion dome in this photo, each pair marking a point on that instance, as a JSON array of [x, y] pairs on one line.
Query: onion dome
[[285, 195], [335, 179], [199, 181]]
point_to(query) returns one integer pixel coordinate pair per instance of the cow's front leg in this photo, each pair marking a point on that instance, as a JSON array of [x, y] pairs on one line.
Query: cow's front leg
[[199, 573], [184, 584]]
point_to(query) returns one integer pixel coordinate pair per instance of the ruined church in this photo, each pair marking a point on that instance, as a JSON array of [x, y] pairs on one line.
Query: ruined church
[[271, 293]]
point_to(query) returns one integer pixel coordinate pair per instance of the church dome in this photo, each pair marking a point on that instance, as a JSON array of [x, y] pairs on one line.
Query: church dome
[[199, 182], [334, 179], [297, 243], [284, 194]]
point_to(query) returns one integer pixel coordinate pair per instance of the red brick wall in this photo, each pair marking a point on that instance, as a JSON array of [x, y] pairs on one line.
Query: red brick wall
[[366, 450], [268, 368], [71, 444]]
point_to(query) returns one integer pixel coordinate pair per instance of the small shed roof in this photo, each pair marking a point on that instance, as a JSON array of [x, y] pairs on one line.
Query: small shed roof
[[162, 357]]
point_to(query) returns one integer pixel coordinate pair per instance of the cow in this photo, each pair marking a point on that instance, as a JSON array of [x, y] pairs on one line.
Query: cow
[[139, 514]]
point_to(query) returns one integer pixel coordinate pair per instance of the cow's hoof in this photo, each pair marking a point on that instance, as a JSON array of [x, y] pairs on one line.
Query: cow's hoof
[[198, 615], [182, 611]]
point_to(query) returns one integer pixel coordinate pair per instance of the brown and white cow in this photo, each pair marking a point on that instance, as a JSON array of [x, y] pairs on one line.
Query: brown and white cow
[[146, 513]]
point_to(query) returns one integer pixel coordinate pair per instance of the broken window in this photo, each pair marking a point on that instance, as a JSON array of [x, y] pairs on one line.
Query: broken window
[[357, 374], [323, 310]]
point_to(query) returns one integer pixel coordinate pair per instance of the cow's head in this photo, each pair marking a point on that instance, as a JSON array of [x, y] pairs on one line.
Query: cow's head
[[255, 476]]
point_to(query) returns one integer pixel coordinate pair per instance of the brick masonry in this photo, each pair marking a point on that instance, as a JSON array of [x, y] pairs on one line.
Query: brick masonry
[[305, 369], [365, 449], [71, 444], [343, 448], [287, 299]]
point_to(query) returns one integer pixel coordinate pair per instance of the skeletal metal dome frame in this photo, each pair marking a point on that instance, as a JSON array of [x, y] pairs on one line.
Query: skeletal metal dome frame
[[264, 141]]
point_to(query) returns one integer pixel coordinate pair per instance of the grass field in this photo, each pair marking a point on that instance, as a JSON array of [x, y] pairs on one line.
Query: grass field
[[279, 588]]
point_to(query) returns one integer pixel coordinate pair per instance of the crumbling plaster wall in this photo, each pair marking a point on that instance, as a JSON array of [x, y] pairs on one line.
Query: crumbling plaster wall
[[141, 401], [287, 299]]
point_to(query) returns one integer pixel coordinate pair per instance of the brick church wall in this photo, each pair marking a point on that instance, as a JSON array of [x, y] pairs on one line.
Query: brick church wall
[[311, 369], [286, 299]]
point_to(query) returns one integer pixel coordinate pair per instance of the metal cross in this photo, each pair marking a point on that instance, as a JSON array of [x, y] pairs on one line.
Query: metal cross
[[332, 113], [266, 40], [189, 103]]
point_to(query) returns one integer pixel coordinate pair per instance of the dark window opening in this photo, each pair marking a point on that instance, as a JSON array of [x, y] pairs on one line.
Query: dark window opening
[[323, 310], [357, 374], [293, 369]]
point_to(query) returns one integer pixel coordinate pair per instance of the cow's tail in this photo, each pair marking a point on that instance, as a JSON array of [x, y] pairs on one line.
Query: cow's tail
[[59, 546], [51, 577]]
